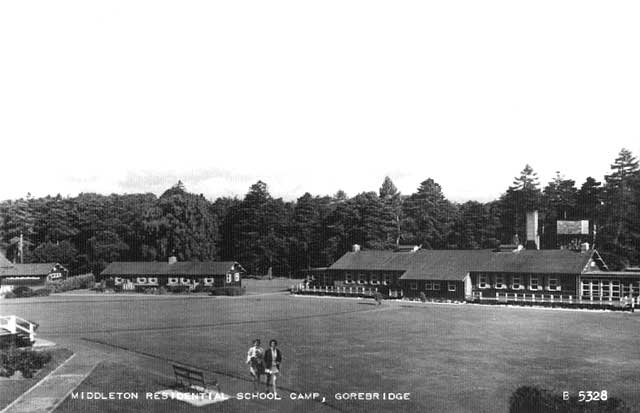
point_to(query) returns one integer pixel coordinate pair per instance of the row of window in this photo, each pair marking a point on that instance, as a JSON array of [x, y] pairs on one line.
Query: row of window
[[183, 280], [518, 283], [433, 286], [607, 288], [374, 279]]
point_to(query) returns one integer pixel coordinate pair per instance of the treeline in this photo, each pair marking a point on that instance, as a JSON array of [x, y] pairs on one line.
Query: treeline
[[261, 232]]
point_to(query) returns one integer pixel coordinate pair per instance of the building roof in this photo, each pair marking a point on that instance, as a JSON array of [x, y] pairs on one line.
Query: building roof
[[451, 265], [373, 260], [456, 264], [28, 270], [185, 268], [537, 261]]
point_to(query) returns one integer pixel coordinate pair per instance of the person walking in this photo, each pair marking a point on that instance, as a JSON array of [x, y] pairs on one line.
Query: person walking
[[255, 360], [272, 360]]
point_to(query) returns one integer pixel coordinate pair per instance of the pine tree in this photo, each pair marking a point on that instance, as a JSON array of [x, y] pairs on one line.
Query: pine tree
[[621, 232], [393, 203], [428, 216], [523, 196]]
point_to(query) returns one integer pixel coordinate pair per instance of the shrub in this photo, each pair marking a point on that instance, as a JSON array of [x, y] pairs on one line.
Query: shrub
[[162, 290], [25, 361], [423, 296], [9, 294], [230, 291], [117, 288], [178, 289], [41, 292], [23, 291], [200, 288], [72, 283], [378, 297]]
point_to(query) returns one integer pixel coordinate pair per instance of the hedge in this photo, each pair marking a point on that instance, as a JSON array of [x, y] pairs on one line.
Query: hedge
[[71, 283], [23, 291], [231, 291]]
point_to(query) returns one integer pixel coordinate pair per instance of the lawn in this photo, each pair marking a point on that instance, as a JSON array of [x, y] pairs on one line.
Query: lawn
[[448, 357]]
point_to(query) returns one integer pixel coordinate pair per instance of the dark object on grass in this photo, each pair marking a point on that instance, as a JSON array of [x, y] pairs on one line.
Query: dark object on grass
[[532, 399], [187, 378]]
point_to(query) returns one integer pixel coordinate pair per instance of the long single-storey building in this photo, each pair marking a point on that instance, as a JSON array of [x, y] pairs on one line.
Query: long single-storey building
[[476, 275], [31, 275], [213, 274]]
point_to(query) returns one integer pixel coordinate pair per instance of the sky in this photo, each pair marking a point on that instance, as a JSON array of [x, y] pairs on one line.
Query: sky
[[313, 96]]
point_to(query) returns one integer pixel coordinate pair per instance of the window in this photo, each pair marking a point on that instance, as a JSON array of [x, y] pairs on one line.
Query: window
[[452, 286], [483, 281], [374, 279], [615, 289], [362, 279], [387, 279], [141, 280], [516, 282], [236, 277], [413, 285], [500, 283], [436, 285], [534, 283], [153, 280], [229, 278], [348, 279], [595, 288], [428, 285], [553, 284], [173, 281]]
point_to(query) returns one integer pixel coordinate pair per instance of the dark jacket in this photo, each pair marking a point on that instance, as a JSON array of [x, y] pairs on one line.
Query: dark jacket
[[268, 358]]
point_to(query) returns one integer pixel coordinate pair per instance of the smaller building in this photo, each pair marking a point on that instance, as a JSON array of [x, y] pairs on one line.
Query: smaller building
[[30, 275], [211, 274]]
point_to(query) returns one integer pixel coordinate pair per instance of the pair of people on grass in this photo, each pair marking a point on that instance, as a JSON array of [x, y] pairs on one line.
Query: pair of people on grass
[[264, 362]]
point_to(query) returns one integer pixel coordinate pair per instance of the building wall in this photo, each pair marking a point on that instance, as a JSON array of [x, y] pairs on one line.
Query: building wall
[[231, 279], [491, 283], [604, 288], [433, 289], [361, 278]]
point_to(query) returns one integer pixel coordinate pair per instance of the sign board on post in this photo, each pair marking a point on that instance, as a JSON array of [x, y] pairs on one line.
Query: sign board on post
[[573, 227]]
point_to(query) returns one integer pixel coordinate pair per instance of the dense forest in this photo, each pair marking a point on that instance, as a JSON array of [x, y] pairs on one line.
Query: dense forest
[[88, 231]]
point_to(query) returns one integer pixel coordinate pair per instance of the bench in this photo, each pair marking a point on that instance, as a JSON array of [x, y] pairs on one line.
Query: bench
[[190, 378]]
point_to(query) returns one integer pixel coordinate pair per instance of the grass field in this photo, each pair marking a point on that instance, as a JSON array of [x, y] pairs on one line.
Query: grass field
[[448, 357]]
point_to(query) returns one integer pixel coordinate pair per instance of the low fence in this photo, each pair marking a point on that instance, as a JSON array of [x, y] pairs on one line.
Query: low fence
[[340, 291], [557, 300]]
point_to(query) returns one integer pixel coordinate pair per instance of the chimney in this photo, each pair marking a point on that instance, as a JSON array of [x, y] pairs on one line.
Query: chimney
[[533, 239], [173, 259], [584, 247], [356, 247]]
